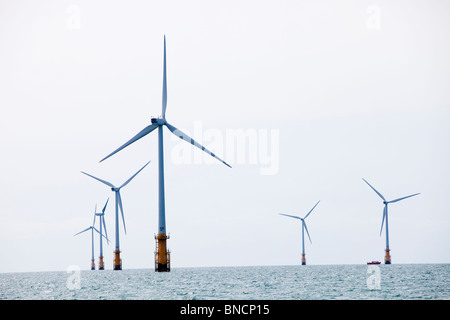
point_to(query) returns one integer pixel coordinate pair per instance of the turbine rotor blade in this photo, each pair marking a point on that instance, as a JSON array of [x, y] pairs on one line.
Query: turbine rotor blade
[[287, 215], [100, 233], [311, 210], [103, 181], [104, 226], [134, 175], [384, 216], [180, 134], [141, 134], [104, 208], [82, 231], [306, 228], [164, 93], [121, 211], [381, 196], [403, 198]]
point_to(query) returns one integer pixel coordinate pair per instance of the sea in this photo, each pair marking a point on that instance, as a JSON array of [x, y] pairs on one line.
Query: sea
[[294, 282]]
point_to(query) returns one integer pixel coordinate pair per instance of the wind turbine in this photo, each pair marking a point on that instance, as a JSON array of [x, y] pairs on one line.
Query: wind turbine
[[387, 258], [92, 228], [304, 227], [162, 258], [117, 265], [101, 215]]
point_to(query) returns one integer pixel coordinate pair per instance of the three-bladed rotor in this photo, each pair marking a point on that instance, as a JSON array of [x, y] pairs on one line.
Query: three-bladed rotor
[[102, 218], [385, 202], [157, 122], [117, 191], [303, 219]]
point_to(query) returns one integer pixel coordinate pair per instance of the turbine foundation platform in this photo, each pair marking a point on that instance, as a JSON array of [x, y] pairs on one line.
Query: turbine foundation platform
[[117, 263], [387, 258], [162, 255], [101, 265], [303, 259], [92, 264]]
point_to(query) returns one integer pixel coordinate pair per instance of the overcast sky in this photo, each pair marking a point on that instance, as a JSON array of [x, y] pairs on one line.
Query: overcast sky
[[302, 98]]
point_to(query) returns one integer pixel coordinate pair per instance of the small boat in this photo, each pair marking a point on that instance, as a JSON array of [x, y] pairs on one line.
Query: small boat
[[374, 262]]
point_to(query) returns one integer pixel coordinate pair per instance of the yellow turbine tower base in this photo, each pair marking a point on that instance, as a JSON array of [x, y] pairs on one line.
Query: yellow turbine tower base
[[117, 265], [92, 264], [303, 259], [387, 258], [162, 255], [101, 265]]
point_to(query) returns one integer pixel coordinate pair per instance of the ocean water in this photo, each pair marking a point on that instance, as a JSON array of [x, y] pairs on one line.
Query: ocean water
[[311, 282]]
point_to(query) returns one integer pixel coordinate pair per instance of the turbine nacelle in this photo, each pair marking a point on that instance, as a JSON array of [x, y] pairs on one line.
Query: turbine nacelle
[[159, 121]]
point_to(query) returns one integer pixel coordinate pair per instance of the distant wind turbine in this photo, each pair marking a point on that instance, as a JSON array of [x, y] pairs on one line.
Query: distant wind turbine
[[304, 227], [117, 261], [387, 258], [92, 228], [162, 258], [101, 265]]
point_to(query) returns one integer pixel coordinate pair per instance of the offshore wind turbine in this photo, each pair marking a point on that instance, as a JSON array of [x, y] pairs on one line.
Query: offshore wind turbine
[[117, 264], [387, 258], [304, 227], [101, 265], [92, 228], [162, 255]]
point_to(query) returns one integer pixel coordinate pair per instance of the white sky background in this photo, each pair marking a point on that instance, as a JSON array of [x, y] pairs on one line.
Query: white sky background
[[354, 89]]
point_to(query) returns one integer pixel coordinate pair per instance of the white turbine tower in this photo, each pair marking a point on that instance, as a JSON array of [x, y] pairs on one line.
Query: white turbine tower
[[117, 261], [101, 265], [304, 227], [387, 258], [162, 258]]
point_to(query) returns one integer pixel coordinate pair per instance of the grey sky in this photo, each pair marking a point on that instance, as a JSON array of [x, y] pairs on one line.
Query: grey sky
[[351, 90]]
